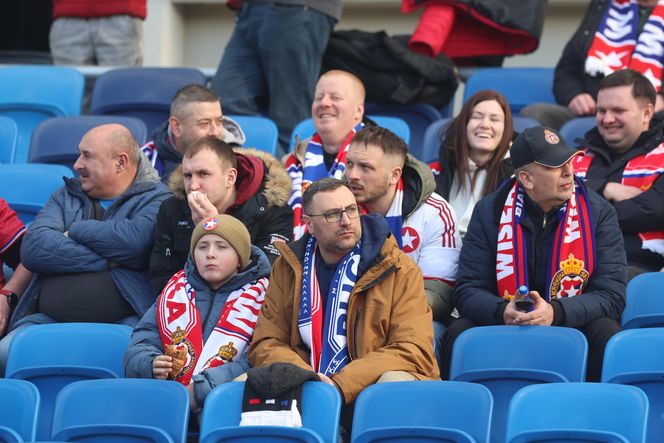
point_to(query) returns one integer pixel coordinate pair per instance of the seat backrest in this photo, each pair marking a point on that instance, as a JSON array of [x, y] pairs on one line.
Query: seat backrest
[[145, 93], [523, 123], [576, 128], [506, 358], [30, 94], [584, 412], [402, 409], [321, 408], [27, 186], [8, 139], [52, 356], [520, 86], [119, 409], [645, 301], [433, 137], [56, 140], [261, 132], [418, 117], [306, 129], [19, 402]]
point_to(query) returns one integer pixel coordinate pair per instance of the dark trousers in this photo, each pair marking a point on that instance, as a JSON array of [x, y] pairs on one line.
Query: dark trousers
[[597, 332]]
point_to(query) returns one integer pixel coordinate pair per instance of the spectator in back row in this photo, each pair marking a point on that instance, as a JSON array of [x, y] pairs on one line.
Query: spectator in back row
[[251, 185], [90, 245], [195, 114], [199, 330], [337, 112], [474, 154], [624, 162]]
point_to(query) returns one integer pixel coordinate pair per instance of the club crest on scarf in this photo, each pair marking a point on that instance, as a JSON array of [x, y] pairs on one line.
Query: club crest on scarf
[[570, 278]]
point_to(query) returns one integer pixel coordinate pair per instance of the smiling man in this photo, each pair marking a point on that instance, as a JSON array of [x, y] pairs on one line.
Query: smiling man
[[544, 230], [337, 112], [624, 162]]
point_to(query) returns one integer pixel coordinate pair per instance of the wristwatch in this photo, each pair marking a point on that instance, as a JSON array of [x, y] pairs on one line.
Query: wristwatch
[[12, 298]]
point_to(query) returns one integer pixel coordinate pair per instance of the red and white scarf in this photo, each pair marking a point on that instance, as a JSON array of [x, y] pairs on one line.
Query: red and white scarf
[[617, 46], [640, 172], [313, 169], [572, 257], [179, 324]]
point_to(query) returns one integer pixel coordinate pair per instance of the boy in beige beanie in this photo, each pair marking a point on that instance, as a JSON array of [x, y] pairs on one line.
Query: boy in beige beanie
[[199, 330]]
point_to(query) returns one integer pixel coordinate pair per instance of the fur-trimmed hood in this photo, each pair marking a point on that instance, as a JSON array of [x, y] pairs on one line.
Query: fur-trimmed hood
[[276, 187]]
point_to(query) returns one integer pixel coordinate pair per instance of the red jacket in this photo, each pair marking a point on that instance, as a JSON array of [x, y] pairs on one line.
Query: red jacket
[[99, 8]]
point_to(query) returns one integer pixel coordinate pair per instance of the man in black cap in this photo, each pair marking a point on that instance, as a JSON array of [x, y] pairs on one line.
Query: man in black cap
[[544, 230]]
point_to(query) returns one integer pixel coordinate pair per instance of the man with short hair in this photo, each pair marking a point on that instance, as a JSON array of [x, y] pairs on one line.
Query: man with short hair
[[344, 301], [336, 112], [89, 247], [386, 180], [248, 184], [624, 162], [195, 113], [544, 230]]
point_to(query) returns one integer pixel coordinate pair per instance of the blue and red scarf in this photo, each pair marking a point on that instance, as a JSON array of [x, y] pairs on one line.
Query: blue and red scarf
[[617, 46], [326, 335], [572, 259]]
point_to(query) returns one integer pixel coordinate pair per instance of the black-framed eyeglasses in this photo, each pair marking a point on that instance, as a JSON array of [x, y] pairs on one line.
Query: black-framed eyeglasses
[[334, 215]]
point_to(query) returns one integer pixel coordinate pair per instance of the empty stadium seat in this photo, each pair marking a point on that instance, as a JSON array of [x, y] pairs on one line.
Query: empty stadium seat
[[636, 357], [423, 411], [145, 93], [576, 128], [583, 412], [520, 86], [55, 355], [523, 123], [56, 140], [28, 186], [306, 129], [261, 132], [321, 408], [8, 139], [507, 358], [645, 301], [122, 410], [30, 94], [19, 402]]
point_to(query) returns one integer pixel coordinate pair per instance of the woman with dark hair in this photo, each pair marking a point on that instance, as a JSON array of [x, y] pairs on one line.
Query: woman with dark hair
[[473, 153]]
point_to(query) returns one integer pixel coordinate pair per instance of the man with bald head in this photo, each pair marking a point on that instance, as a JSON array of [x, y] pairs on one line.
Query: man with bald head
[[337, 112], [90, 245]]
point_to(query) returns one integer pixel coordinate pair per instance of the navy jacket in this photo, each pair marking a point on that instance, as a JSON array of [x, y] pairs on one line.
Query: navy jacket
[[477, 292]]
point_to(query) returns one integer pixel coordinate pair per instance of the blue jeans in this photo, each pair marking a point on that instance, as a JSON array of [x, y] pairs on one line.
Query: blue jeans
[[438, 335], [276, 52]]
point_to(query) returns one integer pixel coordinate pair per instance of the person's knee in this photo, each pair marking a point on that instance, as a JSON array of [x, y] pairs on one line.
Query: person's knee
[[391, 376]]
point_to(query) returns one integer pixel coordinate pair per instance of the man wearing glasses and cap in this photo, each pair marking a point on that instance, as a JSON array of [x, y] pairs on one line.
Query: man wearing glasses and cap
[[546, 231], [345, 301]]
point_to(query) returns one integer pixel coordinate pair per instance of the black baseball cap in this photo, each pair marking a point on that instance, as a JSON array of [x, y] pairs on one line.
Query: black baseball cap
[[543, 146]]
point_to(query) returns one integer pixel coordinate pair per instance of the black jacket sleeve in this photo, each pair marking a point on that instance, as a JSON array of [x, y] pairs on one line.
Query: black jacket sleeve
[[275, 226], [169, 253]]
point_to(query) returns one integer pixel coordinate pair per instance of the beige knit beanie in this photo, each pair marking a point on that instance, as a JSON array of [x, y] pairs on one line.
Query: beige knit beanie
[[230, 229]]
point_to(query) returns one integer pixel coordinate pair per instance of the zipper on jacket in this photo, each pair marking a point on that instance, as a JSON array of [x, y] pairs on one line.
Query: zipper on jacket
[[353, 352]]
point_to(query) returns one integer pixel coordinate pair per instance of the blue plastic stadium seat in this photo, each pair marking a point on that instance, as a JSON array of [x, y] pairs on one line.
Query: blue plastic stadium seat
[[56, 140], [54, 355], [145, 93], [636, 357], [576, 128], [583, 412], [261, 132], [19, 403], [520, 86], [523, 123], [433, 137], [28, 186], [122, 410], [305, 129], [423, 411], [8, 139], [30, 94], [321, 408], [507, 358], [645, 301]]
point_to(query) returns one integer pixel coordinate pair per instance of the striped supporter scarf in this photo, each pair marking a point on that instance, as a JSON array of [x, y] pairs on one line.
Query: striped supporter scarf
[[572, 257], [616, 44], [394, 217], [326, 335], [640, 172], [313, 169], [180, 325]]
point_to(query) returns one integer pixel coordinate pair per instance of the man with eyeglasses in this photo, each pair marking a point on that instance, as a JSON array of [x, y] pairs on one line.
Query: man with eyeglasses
[[345, 301]]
